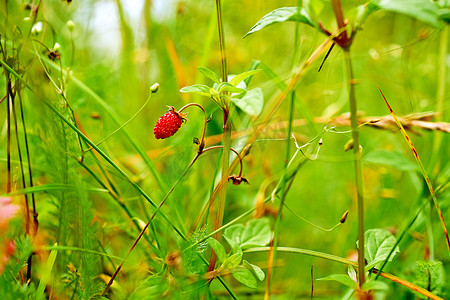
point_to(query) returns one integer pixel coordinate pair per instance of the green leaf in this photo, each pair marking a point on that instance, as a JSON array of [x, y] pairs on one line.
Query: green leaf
[[280, 15], [314, 8], [150, 288], [233, 235], [236, 258], [379, 243], [245, 277], [423, 10], [218, 249], [209, 74], [444, 15], [391, 158], [45, 273], [341, 278], [228, 87], [352, 273], [191, 260], [253, 66], [255, 233], [364, 11], [240, 77], [430, 275], [251, 102], [200, 89], [375, 285], [233, 261], [256, 270]]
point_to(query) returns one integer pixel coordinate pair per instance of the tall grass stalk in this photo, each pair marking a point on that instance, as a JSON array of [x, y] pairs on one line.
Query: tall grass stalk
[[358, 165], [344, 40], [226, 136]]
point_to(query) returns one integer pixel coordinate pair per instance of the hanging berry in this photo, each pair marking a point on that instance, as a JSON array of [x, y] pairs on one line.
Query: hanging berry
[[168, 124]]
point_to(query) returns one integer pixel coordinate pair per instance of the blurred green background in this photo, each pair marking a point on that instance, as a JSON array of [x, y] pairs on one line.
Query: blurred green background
[[118, 49]]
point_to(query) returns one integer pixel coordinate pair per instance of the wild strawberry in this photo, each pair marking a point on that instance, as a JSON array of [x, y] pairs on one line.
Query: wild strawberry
[[168, 124]]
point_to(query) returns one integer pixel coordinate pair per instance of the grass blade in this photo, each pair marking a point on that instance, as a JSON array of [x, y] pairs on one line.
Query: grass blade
[[424, 173], [46, 273]]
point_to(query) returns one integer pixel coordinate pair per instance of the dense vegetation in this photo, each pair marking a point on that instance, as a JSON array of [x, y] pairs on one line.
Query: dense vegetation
[[244, 149]]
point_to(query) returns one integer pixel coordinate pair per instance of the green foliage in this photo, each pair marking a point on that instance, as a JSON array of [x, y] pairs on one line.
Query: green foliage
[[281, 15], [92, 194], [209, 74], [191, 259], [378, 245], [151, 288], [45, 275], [255, 233], [341, 278], [13, 290], [244, 276], [251, 101], [199, 89], [423, 10], [243, 76], [218, 248], [431, 276]]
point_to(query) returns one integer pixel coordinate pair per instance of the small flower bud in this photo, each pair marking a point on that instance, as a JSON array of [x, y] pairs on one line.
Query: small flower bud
[[348, 145], [154, 88], [70, 25], [344, 217], [57, 47], [37, 28]]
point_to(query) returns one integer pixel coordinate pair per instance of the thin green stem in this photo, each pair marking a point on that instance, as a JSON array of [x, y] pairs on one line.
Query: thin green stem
[[226, 137], [223, 54], [153, 90], [306, 252], [30, 174], [309, 222], [358, 165]]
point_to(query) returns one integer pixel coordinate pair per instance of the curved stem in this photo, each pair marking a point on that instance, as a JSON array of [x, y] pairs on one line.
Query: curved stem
[[153, 90], [237, 153], [202, 141]]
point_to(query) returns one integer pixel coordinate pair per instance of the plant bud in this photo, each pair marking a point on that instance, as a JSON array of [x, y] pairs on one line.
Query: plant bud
[[344, 217], [70, 25], [37, 28]]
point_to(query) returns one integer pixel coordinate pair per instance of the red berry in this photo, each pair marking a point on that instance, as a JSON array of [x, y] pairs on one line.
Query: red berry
[[168, 124]]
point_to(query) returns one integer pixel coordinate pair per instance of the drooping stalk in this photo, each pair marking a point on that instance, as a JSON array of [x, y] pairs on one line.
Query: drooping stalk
[[358, 164], [226, 136]]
